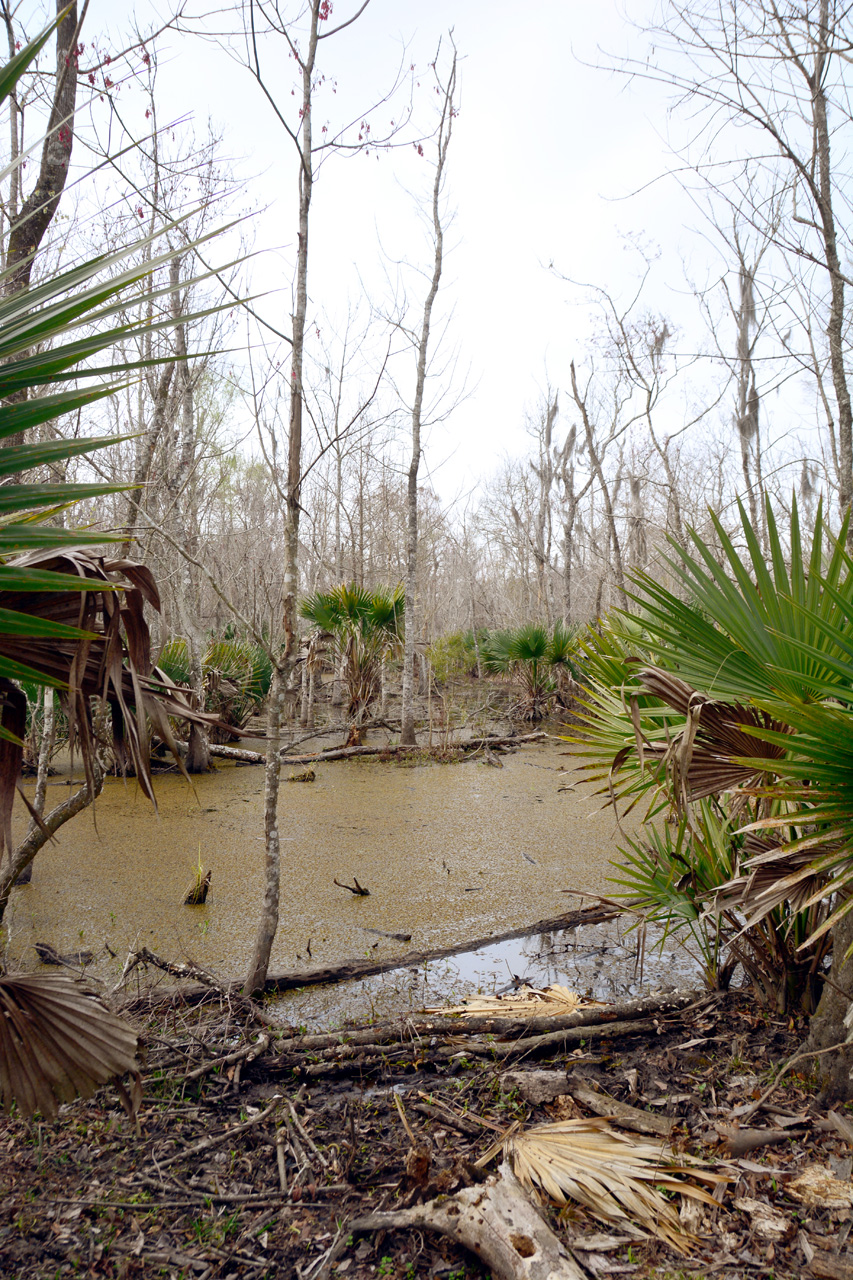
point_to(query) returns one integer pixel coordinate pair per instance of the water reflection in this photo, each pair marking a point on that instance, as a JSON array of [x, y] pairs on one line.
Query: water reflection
[[599, 961]]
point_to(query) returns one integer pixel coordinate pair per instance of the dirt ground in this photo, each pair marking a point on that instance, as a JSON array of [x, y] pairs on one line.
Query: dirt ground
[[254, 1168]]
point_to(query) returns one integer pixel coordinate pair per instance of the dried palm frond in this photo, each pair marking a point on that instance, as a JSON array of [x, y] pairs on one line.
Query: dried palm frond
[[617, 1177], [718, 749], [57, 1040], [107, 655], [526, 1002], [771, 877]]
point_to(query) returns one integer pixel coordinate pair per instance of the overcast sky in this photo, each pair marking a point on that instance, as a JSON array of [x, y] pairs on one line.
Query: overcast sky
[[546, 154]]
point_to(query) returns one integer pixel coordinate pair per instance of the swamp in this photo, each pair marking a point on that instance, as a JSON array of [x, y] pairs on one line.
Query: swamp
[[426, 816]]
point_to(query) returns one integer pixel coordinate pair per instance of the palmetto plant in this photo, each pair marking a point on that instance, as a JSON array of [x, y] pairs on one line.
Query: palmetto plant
[[366, 628], [71, 618], [542, 662], [733, 701], [236, 675]]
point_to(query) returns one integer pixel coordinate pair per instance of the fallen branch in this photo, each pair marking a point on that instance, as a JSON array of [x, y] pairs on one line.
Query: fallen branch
[[740, 1141], [573, 1035], [375, 749], [626, 1117], [217, 1139], [177, 970], [496, 1221], [296, 978], [248, 1053]]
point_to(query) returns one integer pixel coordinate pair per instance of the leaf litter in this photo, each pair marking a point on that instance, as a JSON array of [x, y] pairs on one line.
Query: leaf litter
[[253, 1156]]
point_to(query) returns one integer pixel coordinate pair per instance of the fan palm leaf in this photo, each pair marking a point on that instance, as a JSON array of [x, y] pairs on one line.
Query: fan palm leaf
[[746, 704], [618, 1178], [57, 1040], [366, 627]]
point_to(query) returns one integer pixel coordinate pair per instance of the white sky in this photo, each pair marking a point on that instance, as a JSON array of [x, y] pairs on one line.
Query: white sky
[[544, 154]]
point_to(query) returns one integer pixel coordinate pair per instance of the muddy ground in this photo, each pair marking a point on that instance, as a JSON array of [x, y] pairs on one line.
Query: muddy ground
[[254, 1167]]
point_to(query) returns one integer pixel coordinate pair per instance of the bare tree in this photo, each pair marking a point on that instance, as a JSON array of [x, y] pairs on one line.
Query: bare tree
[[779, 74], [445, 129]]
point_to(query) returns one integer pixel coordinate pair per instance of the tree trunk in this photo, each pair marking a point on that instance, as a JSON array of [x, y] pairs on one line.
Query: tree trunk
[[827, 1024], [180, 491], [407, 734], [48, 734], [28, 229], [268, 923]]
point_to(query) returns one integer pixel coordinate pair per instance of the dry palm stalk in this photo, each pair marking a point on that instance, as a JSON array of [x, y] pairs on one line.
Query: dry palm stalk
[[526, 1002], [618, 1178]]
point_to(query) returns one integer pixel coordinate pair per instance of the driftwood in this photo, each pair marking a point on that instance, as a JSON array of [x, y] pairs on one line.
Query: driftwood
[[359, 891], [347, 753], [496, 1221], [413, 959], [71, 959]]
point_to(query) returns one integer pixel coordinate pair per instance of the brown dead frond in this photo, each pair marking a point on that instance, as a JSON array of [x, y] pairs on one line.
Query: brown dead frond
[[617, 1177], [111, 661], [57, 1040], [715, 751], [526, 1002]]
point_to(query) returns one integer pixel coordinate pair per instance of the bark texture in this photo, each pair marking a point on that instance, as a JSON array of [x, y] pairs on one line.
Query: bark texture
[[827, 1024]]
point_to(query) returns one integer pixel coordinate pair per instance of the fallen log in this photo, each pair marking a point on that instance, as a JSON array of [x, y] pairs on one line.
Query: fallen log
[[411, 1028], [349, 969], [71, 959], [496, 1221], [573, 1035], [375, 749]]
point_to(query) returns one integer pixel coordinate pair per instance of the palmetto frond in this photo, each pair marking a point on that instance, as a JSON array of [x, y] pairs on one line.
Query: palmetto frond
[[366, 627], [745, 704], [57, 1040], [618, 1178]]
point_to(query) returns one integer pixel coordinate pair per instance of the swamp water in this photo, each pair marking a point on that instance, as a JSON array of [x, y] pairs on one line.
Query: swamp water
[[448, 852]]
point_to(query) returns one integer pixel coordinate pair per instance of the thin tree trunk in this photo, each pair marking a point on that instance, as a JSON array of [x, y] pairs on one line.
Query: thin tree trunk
[[48, 735], [595, 463], [268, 922], [837, 318], [408, 736]]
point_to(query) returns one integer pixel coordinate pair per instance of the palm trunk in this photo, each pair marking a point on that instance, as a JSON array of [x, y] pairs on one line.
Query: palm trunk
[[827, 1024]]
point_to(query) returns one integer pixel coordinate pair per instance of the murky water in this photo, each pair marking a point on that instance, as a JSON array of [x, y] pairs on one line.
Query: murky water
[[448, 852], [601, 961]]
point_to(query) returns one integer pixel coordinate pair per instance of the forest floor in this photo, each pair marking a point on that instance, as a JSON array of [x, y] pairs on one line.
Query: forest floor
[[255, 1167]]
